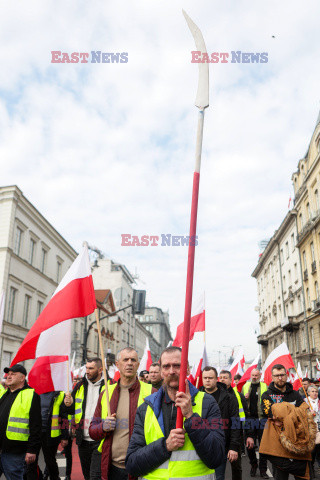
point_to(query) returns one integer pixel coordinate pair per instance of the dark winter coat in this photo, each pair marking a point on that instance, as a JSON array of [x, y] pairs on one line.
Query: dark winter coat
[[273, 395], [229, 410], [208, 441]]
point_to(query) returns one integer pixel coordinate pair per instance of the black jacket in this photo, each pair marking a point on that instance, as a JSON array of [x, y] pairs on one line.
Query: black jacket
[[273, 395], [70, 410], [229, 410], [63, 422], [16, 446], [208, 440]]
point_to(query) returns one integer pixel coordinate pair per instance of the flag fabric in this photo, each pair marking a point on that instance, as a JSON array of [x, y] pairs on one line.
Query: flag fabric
[[2, 301], [192, 375], [290, 199], [197, 322], [146, 359], [297, 382], [74, 297], [237, 365], [49, 374], [204, 362], [318, 364], [79, 372], [279, 355], [306, 373], [247, 374]]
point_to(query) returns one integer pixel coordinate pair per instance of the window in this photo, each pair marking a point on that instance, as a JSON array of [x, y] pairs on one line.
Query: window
[[316, 287], [58, 271], [281, 256], [303, 339], [287, 249], [312, 251], [292, 242], [316, 196], [309, 210], [297, 343], [123, 335], [304, 260], [43, 260], [313, 343], [39, 308], [32, 251], [12, 302], [75, 328], [284, 282], [301, 221], [308, 297], [289, 277], [295, 272], [26, 310], [18, 241]]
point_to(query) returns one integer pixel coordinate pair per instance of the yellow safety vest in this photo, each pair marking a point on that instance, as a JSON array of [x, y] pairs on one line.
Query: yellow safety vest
[[2, 390], [145, 391], [246, 388], [184, 462], [242, 415], [55, 427], [79, 397], [18, 423]]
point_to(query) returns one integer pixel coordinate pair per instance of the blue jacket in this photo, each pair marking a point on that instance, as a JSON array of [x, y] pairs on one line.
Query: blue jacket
[[206, 435]]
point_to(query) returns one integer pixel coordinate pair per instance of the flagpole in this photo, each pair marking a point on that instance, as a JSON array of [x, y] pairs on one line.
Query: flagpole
[[202, 102], [68, 375], [103, 363], [303, 388]]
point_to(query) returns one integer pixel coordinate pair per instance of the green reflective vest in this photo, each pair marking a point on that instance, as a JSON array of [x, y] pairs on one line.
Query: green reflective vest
[[18, 422], [263, 388], [145, 391], [2, 390], [242, 415], [79, 397], [183, 463], [55, 427]]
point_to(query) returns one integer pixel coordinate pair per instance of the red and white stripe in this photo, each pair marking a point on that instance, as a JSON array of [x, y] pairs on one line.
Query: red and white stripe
[[279, 355]]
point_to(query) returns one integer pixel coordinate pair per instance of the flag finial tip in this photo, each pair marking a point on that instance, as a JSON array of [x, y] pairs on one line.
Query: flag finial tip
[[85, 244]]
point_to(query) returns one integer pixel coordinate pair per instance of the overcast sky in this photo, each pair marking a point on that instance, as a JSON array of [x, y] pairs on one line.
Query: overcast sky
[[107, 149]]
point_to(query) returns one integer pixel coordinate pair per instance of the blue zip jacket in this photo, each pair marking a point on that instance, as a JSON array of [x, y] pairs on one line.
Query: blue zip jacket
[[205, 432]]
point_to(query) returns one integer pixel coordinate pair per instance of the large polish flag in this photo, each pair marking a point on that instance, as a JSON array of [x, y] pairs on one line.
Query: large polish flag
[[297, 381], [49, 374], [146, 359], [279, 355], [247, 374], [197, 322], [204, 362], [74, 297]]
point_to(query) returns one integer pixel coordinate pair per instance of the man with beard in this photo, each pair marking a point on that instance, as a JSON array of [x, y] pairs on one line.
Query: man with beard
[[252, 392], [82, 404], [159, 450]]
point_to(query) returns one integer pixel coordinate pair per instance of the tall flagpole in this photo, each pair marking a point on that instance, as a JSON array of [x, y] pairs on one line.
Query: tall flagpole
[[202, 102]]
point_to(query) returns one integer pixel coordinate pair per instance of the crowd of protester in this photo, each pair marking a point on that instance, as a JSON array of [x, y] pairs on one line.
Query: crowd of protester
[[134, 435]]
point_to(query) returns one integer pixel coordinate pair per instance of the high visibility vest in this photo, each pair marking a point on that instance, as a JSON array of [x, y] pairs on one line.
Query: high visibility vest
[[18, 422], [145, 391], [55, 427], [184, 462], [242, 415], [263, 388], [79, 397], [2, 390]]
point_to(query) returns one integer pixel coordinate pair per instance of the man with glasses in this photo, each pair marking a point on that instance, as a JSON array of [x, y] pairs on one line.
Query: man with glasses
[[279, 391]]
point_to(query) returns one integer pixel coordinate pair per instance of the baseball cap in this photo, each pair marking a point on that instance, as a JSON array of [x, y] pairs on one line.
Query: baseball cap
[[144, 372], [16, 368]]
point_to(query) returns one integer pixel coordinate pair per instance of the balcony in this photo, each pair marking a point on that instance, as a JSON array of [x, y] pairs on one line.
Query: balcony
[[300, 192], [316, 305], [313, 267], [288, 324], [262, 339], [305, 275]]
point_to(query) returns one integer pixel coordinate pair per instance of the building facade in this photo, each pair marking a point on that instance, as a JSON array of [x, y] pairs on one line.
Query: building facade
[[156, 321], [33, 259], [287, 273]]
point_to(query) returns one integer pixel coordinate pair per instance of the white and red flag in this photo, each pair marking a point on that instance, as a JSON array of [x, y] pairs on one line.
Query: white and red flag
[[146, 359], [279, 355], [204, 362], [197, 322], [297, 381], [237, 365], [318, 364], [49, 374], [247, 374], [74, 297]]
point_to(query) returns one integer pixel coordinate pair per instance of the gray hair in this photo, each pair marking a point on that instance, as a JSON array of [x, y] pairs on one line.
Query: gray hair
[[126, 349], [312, 386]]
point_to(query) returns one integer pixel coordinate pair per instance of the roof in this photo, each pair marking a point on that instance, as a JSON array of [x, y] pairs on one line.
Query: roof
[[105, 296]]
